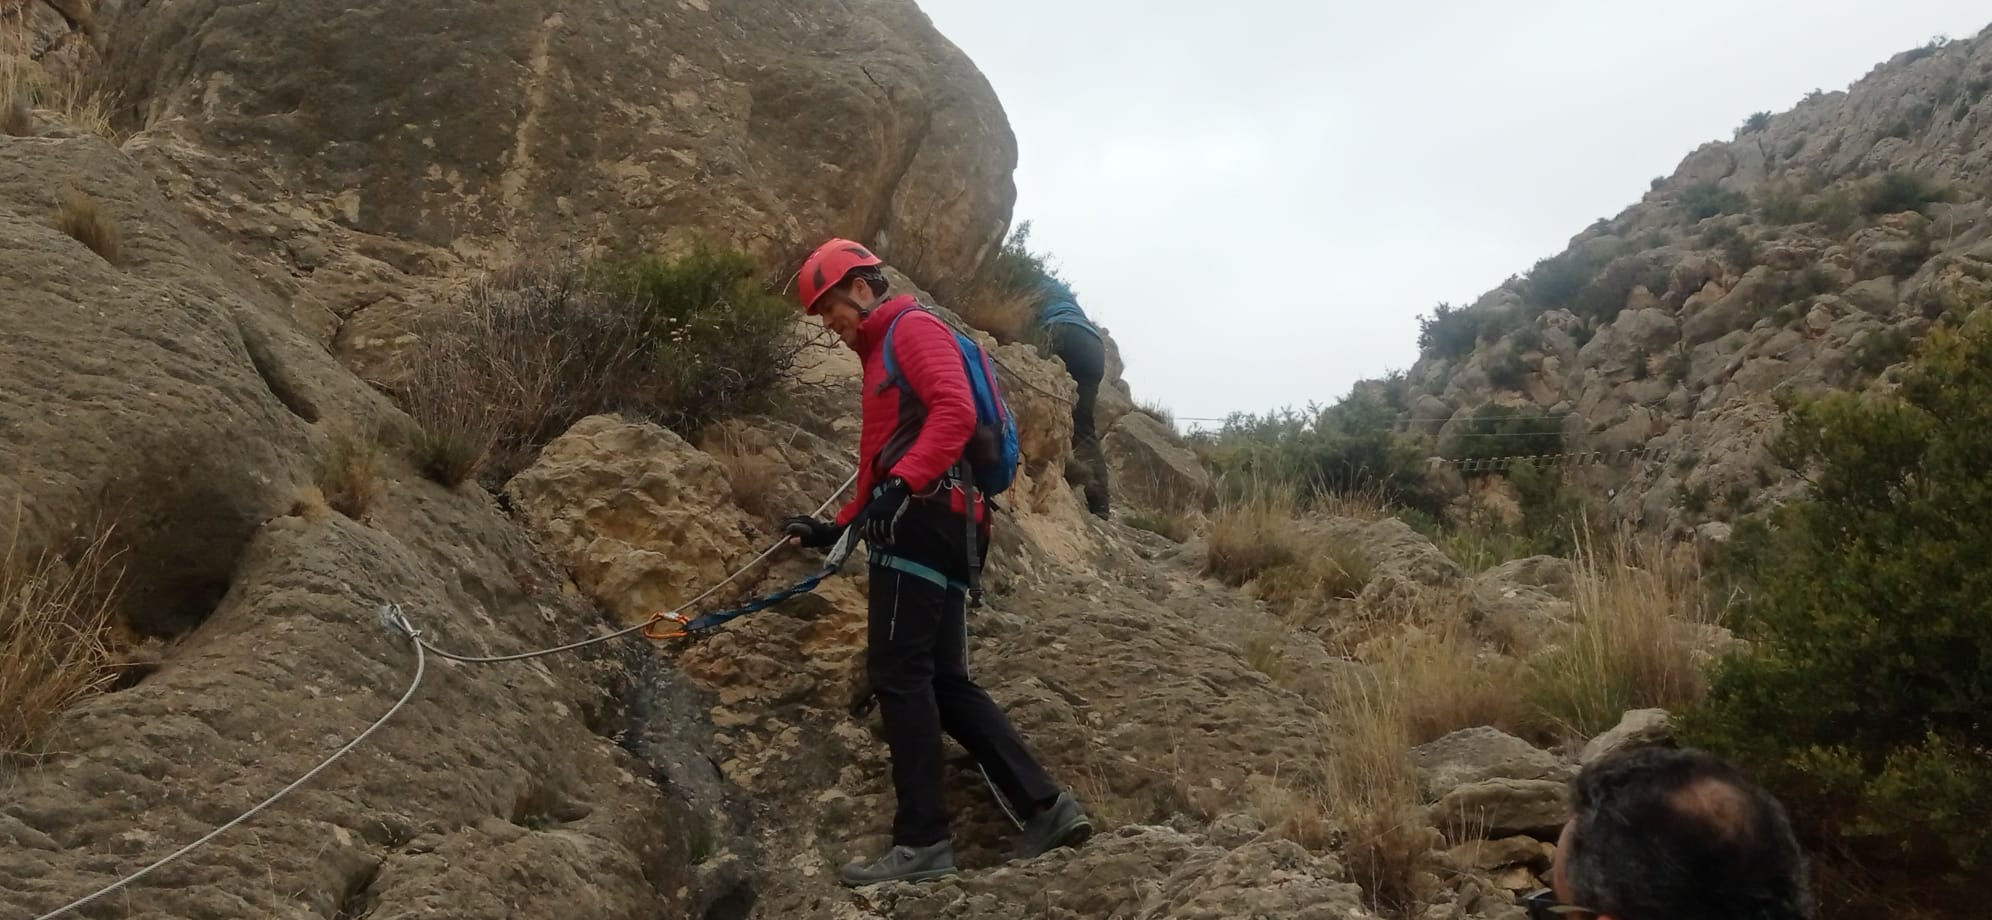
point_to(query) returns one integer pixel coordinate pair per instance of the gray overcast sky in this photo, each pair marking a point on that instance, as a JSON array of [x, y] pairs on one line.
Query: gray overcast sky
[[1259, 197]]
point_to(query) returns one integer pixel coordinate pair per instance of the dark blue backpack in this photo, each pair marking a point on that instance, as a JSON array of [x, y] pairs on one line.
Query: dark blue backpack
[[992, 453]]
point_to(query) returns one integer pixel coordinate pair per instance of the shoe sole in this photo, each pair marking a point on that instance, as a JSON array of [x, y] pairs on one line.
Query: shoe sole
[[1071, 835], [924, 876]]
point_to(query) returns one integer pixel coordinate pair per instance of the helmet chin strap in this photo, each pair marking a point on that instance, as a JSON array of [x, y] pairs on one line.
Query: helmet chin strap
[[865, 311]]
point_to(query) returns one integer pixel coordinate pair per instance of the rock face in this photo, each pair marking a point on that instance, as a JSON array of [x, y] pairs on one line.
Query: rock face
[[1806, 254], [1152, 469], [774, 123], [1498, 808], [1150, 873], [293, 183], [168, 395], [643, 519], [1476, 755]]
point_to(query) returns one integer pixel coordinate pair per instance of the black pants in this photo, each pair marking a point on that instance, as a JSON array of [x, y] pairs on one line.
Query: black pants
[[1085, 357], [918, 659]]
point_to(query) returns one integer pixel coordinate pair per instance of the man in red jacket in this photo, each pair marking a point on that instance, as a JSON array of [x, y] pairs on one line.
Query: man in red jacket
[[912, 506]]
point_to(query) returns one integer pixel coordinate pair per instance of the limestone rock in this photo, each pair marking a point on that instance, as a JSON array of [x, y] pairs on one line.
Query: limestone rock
[[1504, 808], [1514, 617], [1504, 853], [1152, 467], [643, 519], [1149, 873], [1638, 728], [1406, 564], [1648, 330], [170, 395], [879, 129], [1475, 755], [1736, 309]]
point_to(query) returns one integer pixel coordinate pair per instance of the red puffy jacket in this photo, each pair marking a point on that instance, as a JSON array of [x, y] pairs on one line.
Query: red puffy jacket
[[916, 430]]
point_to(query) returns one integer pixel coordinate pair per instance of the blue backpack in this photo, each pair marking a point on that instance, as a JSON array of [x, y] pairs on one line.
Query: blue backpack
[[992, 453]]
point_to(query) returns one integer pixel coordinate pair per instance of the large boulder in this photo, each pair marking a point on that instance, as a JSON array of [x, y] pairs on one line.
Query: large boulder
[[1638, 728], [1498, 808], [643, 519], [1517, 606], [1476, 755], [769, 122], [1151, 467]]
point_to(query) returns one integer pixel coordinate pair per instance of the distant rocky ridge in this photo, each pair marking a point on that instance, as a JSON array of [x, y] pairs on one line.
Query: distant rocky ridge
[[1806, 254]]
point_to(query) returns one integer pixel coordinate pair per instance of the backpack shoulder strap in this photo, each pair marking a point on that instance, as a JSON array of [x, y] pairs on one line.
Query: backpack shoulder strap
[[892, 366], [892, 377]]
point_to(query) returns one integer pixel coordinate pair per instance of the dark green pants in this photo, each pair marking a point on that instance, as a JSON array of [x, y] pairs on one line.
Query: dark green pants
[[1085, 358]]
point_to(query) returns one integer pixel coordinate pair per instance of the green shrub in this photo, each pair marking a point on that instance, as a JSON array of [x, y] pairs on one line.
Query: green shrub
[[533, 350], [1554, 281], [1837, 212], [1812, 281], [1350, 447], [1863, 699], [1757, 121], [1896, 191], [1603, 296], [721, 341], [1004, 297], [1881, 350], [1556, 515], [1507, 370], [1454, 332], [1707, 199], [1505, 431], [1782, 205], [1737, 247]]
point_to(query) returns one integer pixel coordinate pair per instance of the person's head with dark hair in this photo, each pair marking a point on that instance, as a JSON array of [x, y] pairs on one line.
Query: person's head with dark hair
[[1660, 833]]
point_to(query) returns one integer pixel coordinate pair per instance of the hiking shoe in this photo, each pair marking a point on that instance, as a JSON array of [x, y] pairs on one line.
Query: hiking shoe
[[902, 864], [1060, 825]]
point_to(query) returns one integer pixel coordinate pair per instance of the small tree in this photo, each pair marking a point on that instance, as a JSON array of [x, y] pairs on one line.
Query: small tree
[[1865, 699]]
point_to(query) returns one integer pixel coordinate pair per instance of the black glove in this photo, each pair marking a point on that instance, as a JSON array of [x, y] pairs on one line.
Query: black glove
[[887, 506], [811, 532]]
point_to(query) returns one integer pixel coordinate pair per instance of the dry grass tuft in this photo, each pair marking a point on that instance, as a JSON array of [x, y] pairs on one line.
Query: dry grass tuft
[[1370, 792], [1371, 502], [56, 618], [455, 425], [1424, 679], [752, 476], [349, 476], [1174, 524], [1439, 681], [1253, 535], [310, 504], [81, 218], [1264, 653], [27, 84], [1639, 614], [16, 119]]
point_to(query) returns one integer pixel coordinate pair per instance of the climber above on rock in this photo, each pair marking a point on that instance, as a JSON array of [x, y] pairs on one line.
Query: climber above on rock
[[1077, 342], [923, 525]]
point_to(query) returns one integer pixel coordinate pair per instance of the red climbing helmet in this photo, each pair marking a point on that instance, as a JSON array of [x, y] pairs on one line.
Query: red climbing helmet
[[827, 266]]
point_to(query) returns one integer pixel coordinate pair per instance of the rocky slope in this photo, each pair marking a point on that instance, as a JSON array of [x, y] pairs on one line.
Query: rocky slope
[[1806, 254], [294, 184]]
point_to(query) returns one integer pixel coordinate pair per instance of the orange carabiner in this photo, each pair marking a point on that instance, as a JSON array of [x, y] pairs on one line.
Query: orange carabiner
[[660, 617]]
